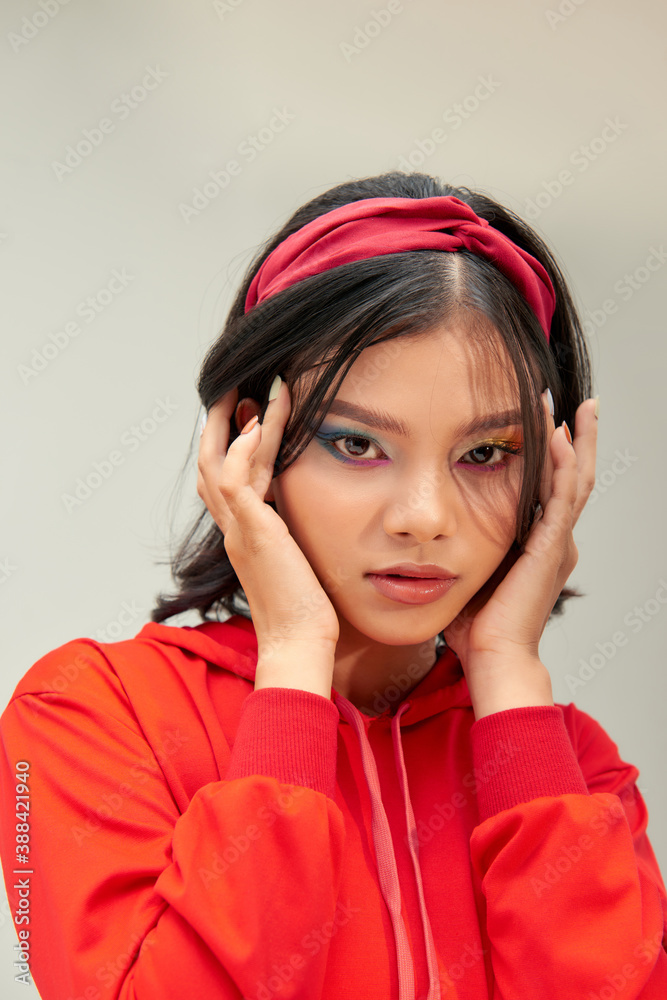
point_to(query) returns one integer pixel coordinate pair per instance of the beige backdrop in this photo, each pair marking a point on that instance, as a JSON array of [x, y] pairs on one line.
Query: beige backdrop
[[149, 147]]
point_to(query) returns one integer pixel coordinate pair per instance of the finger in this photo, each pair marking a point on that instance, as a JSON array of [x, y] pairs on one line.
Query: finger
[[585, 448], [553, 542], [273, 427], [548, 466], [551, 537], [213, 448], [215, 434], [549, 554], [234, 486]]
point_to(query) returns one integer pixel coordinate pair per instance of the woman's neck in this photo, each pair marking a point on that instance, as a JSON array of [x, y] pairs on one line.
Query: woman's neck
[[372, 675]]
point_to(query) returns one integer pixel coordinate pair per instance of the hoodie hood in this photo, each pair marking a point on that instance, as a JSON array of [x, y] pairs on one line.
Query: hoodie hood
[[232, 645]]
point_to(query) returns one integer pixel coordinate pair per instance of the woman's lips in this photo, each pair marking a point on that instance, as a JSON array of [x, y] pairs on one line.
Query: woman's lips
[[410, 589], [420, 570]]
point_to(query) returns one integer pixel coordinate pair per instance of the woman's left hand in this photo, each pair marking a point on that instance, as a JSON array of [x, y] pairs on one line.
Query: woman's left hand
[[497, 635]]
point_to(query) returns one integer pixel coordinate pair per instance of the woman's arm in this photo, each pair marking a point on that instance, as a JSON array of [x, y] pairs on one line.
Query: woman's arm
[[575, 902], [576, 905], [143, 902], [130, 897]]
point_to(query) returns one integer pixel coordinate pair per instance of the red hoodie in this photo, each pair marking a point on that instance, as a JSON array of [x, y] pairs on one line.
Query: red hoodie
[[189, 836]]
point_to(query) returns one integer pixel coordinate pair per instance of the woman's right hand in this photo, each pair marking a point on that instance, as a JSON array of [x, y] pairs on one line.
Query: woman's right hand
[[296, 625]]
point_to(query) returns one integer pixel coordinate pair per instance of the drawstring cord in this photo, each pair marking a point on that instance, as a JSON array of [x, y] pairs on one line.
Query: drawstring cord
[[385, 857], [413, 840]]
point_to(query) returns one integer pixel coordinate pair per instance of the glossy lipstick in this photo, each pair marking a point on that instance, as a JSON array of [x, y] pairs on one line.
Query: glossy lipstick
[[411, 583]]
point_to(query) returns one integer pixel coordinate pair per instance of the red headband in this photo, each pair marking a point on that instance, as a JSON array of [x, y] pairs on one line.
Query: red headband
[[374, 227]]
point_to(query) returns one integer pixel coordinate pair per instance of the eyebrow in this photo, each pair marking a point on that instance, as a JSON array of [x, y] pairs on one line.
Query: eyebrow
[[385, 422]]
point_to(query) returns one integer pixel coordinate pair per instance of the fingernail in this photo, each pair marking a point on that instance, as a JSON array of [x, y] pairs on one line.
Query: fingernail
[[567, 432], [251, 423], [550, 401], [275, 387], [203, 424], [597, 407]]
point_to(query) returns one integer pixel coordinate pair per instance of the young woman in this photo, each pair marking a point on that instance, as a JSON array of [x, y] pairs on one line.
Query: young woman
[[355, 784]]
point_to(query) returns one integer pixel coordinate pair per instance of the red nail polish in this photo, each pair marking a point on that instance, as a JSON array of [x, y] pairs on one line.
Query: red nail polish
[[567, 432]]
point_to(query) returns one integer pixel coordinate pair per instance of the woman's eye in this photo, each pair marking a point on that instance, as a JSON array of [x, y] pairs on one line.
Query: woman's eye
[[356, 447], [361, 450], [483, 454], [352, 448]]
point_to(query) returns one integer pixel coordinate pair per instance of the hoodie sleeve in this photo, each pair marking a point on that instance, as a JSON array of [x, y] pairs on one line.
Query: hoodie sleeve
[[576, 905], [124, 896]]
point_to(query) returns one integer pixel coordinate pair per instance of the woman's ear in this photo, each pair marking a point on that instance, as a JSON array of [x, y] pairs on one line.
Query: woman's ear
[[245, 410]]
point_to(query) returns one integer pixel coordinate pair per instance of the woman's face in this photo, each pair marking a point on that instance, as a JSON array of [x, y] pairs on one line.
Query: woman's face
[[397, 473]]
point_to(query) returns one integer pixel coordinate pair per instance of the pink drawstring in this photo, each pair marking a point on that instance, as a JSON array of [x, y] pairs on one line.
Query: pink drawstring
[[413, 840], [384, 854], [385, 857]]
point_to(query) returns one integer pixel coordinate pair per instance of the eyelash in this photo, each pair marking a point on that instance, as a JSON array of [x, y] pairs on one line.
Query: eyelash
[[328, 439]]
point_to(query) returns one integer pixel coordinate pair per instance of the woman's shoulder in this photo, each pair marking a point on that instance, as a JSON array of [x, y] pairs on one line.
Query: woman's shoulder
[[160, 660], [169, 699]]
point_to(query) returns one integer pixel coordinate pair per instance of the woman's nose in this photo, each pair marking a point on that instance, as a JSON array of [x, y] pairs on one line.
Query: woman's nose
[[424, 508]]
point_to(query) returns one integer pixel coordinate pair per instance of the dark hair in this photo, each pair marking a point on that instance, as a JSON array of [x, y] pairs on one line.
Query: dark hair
[[335, 315]]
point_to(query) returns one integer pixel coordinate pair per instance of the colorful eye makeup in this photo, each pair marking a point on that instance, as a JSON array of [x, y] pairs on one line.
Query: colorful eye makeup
[[359, 446], [508, 448]]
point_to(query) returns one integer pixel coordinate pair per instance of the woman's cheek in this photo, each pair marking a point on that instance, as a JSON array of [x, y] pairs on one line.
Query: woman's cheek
[[492, 503]]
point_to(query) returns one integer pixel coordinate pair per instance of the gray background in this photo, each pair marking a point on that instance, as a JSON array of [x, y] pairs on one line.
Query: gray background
[[358, 99]]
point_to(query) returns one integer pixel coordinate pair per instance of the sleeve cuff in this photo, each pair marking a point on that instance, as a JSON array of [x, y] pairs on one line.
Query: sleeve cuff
[[289, 735], [522, 754]]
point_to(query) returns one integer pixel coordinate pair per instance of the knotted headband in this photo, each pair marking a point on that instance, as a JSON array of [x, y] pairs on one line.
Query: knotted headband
[[374, 227]]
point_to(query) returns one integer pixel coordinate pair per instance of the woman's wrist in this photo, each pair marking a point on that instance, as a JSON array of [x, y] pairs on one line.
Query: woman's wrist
[[303, 667], [516, 684]]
